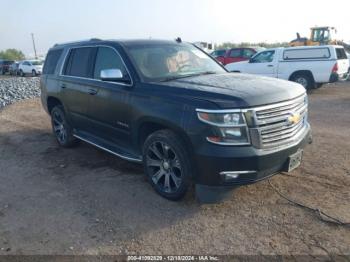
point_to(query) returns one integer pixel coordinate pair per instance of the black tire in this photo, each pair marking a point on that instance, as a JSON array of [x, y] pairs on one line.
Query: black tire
[[166, 163], [305, 80], [21, 73], [33, 73], [61, 128]]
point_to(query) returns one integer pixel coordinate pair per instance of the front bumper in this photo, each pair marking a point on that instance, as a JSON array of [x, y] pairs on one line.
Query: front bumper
[[211, 160]]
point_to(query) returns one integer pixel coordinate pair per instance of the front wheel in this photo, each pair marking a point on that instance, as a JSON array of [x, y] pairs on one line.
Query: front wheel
[[167, 164], [33, 73], [21, 73], [61, 128]]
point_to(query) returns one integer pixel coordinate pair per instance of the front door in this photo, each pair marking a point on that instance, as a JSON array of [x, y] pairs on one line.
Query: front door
[[262, 64], [109, 110], [234, 55]]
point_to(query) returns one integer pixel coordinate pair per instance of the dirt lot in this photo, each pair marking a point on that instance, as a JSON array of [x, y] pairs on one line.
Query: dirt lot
[[85, 201]]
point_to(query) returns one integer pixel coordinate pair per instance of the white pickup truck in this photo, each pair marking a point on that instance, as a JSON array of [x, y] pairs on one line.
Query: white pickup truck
[[310, 66]]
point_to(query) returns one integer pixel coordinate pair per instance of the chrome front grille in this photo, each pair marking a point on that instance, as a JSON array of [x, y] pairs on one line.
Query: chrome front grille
[[280, 124]]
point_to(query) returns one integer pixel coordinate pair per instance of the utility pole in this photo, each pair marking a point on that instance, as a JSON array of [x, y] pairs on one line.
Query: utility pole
[[36, 57]]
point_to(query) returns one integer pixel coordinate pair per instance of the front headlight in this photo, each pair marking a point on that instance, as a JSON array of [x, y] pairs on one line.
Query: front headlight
[[229, 128]]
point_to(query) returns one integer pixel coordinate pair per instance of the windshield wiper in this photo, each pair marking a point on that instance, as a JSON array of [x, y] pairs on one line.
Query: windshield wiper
[[185, 76]]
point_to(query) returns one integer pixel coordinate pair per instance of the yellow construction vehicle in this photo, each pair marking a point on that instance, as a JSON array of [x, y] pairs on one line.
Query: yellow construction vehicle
[[320, 35]]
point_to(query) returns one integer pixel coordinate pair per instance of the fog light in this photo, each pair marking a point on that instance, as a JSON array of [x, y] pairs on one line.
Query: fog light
[[231, 175]]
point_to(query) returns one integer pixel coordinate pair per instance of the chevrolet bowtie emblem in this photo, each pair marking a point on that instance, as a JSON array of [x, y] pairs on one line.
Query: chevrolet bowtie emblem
[[294, 118]]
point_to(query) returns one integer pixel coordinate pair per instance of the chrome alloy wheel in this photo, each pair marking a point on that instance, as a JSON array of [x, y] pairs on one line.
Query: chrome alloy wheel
[[164, 167], [59, 128]]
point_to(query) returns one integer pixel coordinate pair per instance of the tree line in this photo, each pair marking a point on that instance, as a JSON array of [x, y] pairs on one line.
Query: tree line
[[12, 54], [227, 45]]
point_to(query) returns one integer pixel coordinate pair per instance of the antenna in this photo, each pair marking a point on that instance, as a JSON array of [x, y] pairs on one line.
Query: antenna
[[36, 57]]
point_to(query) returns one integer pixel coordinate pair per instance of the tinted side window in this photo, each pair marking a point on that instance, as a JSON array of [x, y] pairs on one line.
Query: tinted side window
[[235, 53], [248, 53], [341, 53], [264, 57], [78, 62], [107, 58], [219, 52], [51, 61]]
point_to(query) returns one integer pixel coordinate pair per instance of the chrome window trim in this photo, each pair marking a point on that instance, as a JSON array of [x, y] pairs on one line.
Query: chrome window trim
[[93, 79]]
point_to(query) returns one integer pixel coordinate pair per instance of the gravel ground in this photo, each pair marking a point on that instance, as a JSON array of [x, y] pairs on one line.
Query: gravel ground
[[86, 201], [13, 89]]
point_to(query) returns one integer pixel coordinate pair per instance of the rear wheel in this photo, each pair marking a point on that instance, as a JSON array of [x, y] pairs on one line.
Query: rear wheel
[[61, 128], [305, 80], [166, 163]]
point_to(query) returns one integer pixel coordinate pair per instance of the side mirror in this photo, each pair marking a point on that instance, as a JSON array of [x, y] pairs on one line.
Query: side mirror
[[111, 75]]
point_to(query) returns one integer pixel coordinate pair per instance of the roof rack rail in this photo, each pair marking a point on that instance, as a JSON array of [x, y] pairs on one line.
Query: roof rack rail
[[76, 42]]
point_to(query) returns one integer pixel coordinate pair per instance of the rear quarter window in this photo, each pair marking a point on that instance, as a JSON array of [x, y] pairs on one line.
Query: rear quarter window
[[341, 53], [51, 61]]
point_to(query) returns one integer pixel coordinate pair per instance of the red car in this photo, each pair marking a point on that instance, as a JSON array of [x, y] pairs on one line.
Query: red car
[[236, 55]]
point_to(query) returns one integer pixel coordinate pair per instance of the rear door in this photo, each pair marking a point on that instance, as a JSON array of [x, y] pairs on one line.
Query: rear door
[[75, 85], [263, 64], [233, 55], [343, 61]]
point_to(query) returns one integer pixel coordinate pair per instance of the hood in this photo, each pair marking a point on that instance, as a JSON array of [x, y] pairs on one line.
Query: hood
[[232, 90]]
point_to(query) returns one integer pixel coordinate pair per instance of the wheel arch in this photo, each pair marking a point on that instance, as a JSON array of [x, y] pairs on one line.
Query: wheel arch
[[51, 102], [302, 72], [148, 126]]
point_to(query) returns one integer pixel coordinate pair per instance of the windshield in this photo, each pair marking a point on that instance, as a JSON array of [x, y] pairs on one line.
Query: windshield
[[37, 62], [161, 62]]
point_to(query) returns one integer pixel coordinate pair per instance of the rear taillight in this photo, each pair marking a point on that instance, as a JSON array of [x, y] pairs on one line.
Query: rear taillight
[[335, 68]]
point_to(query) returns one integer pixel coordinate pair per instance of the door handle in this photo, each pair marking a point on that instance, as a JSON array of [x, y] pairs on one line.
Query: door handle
[[63, 86], [92, 91], [269, 65]]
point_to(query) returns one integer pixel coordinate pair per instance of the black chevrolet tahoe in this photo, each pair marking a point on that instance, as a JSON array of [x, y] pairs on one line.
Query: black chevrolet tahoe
[[173, 108]]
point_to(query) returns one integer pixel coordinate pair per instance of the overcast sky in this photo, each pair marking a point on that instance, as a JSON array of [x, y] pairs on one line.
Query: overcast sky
[[54, 21]]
